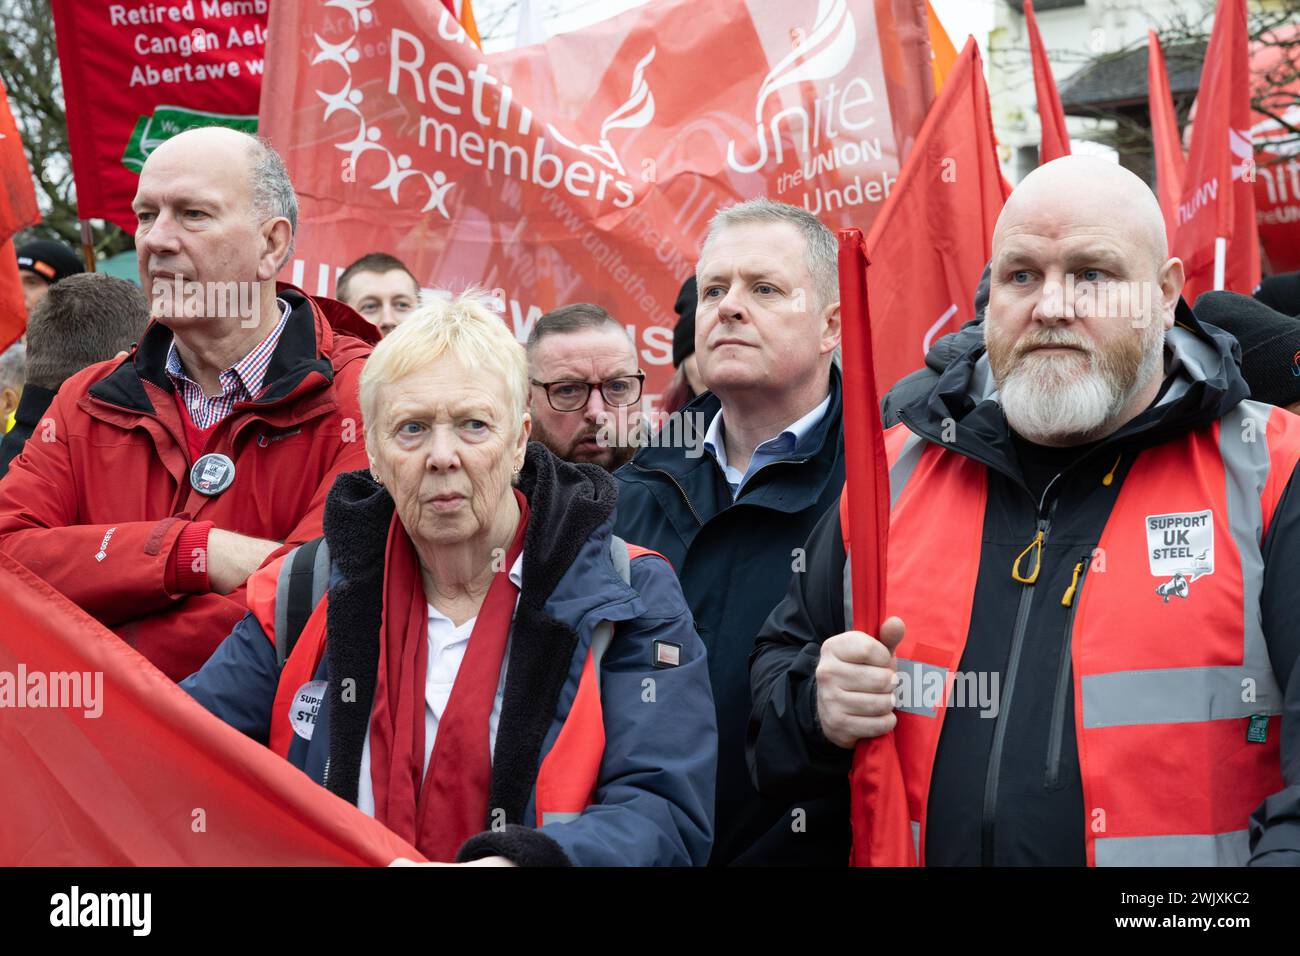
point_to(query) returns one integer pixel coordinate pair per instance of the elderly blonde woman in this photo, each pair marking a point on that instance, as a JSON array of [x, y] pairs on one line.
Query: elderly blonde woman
[[471, 656]]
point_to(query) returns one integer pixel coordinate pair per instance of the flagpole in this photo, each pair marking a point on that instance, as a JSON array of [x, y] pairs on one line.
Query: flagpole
[[87, 244], [1220, 261]]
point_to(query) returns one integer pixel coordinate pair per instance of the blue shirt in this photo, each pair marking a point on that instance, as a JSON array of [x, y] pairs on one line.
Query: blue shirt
[[774, 449]]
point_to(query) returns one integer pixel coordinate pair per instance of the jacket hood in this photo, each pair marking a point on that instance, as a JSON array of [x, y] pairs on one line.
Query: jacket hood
[[1203, 382]]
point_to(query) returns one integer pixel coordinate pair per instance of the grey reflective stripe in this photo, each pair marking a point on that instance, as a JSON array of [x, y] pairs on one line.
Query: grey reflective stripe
[[1176, 695], [915, 679], [916, 839], [904, 465], [899, 474], [1193, 694], [1195, 849], [557, 817]]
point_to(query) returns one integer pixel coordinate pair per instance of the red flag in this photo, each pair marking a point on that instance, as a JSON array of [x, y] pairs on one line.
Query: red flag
[[18, 210], [602, 153], [1055, 141], [882, 829], [108, 763], [135, 74], [934, 235], [1171, 164], [1217, 237]]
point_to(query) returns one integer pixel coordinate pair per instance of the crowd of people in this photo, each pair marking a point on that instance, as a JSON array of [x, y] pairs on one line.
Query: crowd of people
[[444, 573]]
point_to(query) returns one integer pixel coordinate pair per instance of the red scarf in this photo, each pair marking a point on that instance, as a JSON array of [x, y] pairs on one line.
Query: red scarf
[[446, 808]]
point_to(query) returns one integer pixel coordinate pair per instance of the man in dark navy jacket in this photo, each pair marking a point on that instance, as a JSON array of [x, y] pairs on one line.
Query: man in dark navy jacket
[[729, 491]]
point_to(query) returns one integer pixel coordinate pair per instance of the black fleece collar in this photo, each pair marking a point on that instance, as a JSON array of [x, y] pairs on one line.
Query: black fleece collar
[[568, 504]]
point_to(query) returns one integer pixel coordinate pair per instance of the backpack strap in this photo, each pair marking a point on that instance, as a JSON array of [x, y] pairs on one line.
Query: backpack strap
[[304, 579]]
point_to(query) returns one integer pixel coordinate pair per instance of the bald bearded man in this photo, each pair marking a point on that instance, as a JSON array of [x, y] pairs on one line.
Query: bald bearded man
[[1091, 654]]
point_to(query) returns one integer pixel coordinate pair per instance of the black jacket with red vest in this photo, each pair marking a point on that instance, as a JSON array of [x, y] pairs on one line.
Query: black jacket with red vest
[[1005, 783]]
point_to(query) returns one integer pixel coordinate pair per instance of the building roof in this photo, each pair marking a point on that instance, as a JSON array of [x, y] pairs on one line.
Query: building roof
[[1119, 80]]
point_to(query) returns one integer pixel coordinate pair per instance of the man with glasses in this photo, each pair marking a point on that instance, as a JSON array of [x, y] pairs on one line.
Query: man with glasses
[[586, 387]]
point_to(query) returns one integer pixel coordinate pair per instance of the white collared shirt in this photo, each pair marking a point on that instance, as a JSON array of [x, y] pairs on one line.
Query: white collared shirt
[[774, 449], [447, 646]]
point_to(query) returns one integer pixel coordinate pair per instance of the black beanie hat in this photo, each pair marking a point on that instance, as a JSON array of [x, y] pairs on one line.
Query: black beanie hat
[[1281, 292], [684, 330], [1270, 344], [49, 259]]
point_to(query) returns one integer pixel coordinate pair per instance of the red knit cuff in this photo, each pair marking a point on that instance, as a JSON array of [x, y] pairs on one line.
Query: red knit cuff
[[190, 559]]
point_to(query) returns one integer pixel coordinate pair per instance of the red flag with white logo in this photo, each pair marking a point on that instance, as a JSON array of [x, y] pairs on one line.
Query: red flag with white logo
[[1171, 163], [1217, 237], [18, 210], [934, 236], [1055, 141], [585, 168]]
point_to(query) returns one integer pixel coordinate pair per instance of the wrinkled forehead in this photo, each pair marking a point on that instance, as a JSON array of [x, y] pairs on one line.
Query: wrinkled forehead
[[446, 387], [216, 176]]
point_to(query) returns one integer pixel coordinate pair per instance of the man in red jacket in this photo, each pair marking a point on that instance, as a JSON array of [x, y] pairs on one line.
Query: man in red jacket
[[158, 483]]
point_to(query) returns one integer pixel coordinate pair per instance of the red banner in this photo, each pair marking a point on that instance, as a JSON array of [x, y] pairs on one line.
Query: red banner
[[878, 813], [1054, 140], [1171, 163], [932, 240], [585, 168], [1277, 151], [108, 763], [18, 210], [1217, 236], [136, 73]]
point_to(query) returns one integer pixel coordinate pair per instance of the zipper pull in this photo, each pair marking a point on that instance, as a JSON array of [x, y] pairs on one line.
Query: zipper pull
[[1109, 477], [1036, 546], [1068, 598]]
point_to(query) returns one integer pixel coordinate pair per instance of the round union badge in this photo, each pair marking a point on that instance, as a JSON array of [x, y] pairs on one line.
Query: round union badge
[[212, 474]]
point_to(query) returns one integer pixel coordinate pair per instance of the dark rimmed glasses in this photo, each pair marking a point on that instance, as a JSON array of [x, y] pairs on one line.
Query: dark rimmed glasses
[[569, 395]]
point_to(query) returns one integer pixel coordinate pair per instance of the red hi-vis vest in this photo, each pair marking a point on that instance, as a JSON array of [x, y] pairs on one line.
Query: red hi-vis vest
[[566, 780], [1173, 685]]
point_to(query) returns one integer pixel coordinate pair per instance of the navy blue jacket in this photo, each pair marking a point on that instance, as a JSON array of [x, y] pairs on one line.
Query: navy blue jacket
[[735, 560], [654, 798]]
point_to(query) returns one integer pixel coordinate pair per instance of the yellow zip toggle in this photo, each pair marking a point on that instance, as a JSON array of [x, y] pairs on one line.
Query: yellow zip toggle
[[1109, 477], [1068, 598], [1035, 546]]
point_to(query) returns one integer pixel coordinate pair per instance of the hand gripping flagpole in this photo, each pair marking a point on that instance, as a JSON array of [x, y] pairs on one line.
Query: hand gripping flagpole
[[882, 830]]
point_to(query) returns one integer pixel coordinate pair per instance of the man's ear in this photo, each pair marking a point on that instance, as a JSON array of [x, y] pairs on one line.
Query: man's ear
[[831, 328], [8, 403], [277, 234], [1171, 279]]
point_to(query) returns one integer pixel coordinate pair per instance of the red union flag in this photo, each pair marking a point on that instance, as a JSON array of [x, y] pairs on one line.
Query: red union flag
[[1276, 68], [585, 168], [929, 246], [136, 73], [1217, 237], [18, 210]]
